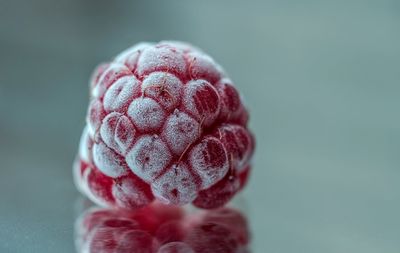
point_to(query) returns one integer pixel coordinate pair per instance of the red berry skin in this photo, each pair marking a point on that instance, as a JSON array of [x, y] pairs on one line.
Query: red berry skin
[[159, 228], [219, 194], [164, 123]]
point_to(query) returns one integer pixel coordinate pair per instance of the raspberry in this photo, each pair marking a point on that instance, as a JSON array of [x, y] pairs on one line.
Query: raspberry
[[162, 229], [225, 189], [164, 122]]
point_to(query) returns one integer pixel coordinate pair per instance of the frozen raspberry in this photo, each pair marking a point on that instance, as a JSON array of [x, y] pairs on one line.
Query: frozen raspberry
[[164, 122], [162, 229]]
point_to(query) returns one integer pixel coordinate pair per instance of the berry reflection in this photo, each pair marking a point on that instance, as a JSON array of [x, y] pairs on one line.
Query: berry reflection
[[162, 229]]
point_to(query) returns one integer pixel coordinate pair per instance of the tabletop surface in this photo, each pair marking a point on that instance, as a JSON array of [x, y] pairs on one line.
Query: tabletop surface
[[321, 81]]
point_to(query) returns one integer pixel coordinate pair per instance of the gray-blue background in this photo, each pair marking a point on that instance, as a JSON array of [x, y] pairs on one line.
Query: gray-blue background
[[321, 78]]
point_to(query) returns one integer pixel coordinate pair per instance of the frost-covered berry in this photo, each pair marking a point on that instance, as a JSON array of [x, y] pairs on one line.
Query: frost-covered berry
[[164, 122]]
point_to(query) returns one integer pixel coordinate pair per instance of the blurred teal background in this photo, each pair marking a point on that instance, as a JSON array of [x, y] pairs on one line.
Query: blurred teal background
[[321, 79]]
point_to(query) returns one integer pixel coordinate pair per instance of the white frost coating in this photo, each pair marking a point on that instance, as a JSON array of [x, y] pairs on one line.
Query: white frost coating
[[176, 186], [157, 58], [164, 87], [88, 192], [146, 114], [124, 55], [117, 132], [107, 161], [175, 247], [203, 66], [202, 100], [124, 134], [180, 130], [108, 77], [148, 157], [121, 93], [96, 74], [94, 117], [127, 194], [185, 47], [230, 99], [84, 144], [238, 143], [209, 160]]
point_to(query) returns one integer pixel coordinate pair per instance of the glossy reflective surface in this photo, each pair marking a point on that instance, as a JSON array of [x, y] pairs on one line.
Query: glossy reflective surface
[[321, 80], [162, 229]]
